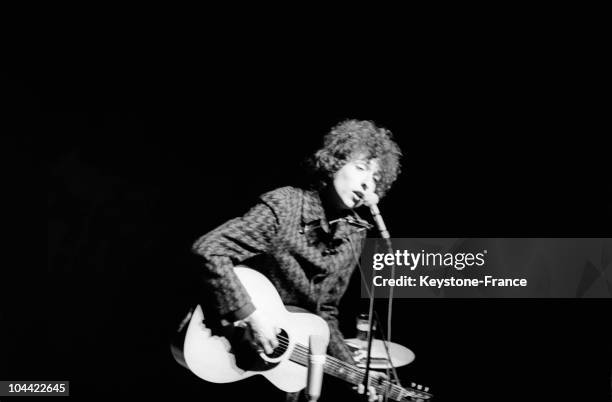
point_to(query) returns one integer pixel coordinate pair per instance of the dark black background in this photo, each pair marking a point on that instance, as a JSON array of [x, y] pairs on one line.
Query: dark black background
[[143, 154]]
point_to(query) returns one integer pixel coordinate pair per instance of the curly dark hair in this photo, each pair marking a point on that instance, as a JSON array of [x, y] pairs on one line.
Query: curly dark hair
[[352, 138]]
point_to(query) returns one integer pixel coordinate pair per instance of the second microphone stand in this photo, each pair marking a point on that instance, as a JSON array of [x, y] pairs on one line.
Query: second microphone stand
[[387, 238]]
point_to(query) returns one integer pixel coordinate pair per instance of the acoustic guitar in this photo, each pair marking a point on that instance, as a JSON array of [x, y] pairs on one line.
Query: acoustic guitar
[[225, 355]]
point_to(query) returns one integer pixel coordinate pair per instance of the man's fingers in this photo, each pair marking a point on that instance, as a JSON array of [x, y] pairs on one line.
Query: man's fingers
[[372, 394], [263, 330], [267, 347], [274, 341], [267, 341], [270, 339], [265, 344]]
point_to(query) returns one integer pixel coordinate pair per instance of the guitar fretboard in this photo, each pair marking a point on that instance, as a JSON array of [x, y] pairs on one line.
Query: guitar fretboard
[[354, 375]]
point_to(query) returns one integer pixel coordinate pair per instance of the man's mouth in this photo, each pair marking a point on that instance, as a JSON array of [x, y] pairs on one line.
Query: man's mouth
[[358, 197]]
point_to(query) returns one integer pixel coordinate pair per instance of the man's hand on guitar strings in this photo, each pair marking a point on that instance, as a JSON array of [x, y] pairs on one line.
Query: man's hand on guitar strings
[[263, 330], [372, 395]]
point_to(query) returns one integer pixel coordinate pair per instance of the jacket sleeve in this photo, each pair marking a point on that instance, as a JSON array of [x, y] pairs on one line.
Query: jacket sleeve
[[228, 245]]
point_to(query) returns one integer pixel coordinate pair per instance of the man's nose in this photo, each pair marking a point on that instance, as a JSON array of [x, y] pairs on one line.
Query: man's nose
[[367, 184]]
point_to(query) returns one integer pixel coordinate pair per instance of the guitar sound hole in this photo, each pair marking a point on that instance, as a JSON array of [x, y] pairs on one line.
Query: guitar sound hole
[[283, 344]]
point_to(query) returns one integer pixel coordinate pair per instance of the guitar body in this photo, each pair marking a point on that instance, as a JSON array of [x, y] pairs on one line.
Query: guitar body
[[217, 357]]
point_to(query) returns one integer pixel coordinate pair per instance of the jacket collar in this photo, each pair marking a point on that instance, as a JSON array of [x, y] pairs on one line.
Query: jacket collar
[[313, 215], [312, 208]]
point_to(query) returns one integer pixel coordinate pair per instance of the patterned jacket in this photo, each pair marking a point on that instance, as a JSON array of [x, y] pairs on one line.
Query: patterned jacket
[[287, 237]]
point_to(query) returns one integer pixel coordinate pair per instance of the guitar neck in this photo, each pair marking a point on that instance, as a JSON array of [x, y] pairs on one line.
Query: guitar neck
[[352, 374]]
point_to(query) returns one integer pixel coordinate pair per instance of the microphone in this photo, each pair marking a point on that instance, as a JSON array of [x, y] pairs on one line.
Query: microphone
[[316, 360], [380, 224]]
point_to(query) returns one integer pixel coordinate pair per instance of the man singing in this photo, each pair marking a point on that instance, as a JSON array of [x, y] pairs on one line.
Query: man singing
[[306, 241]]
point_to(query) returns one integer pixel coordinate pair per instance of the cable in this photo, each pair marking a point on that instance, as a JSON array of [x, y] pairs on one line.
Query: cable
[[381, 334]]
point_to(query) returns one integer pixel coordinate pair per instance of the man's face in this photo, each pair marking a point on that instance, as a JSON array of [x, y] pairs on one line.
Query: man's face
[[356, 180]]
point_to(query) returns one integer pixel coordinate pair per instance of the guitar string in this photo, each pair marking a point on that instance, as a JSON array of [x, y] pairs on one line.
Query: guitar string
[[302, 352], [334, 363], [357, 376]]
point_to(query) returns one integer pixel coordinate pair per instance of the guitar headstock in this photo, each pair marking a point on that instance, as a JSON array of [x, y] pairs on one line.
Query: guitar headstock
[[416, 393]]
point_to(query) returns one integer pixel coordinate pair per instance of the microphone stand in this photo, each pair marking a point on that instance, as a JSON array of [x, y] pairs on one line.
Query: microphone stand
[[384, 233]]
